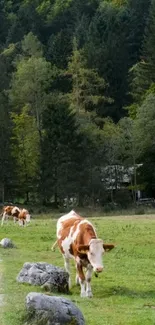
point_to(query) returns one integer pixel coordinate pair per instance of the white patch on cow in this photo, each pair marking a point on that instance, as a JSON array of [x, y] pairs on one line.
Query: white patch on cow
[[62, 219], [14, 210], [83, 287], [66, 245]]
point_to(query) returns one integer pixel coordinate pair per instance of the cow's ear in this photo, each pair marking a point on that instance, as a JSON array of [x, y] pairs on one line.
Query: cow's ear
[[108, 247], [83, 249]]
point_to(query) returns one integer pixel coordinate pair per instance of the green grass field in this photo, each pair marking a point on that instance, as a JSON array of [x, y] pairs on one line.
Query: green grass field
[[124, 294]]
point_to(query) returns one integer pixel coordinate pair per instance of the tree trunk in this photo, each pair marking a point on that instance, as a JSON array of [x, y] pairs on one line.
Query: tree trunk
[[27, 196], [135, 180], [56, 199]]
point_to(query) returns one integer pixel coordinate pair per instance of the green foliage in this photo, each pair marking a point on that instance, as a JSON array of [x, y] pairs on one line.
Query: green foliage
[[91, 57], [108, 50], [144, 70], [87, 87], [31, 80], [25, 147], [111, 133], [7, 164], [145, 122], [123, 198], [31, 46], [61, 151], [145, 129]]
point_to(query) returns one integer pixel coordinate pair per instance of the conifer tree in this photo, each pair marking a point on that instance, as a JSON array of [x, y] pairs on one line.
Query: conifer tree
[[88, 88], [143, 72], [62, 155]]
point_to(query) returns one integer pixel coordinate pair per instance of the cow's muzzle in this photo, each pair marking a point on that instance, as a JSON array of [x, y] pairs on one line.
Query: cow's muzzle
[[98, 269]]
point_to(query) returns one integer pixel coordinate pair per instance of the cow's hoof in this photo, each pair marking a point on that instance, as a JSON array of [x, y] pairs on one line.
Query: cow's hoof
[[89, 294], [83, 294]]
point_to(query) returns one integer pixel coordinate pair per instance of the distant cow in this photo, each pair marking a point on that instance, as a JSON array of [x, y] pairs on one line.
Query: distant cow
[[20, 215], [24, 217], [10, 211], [77, 239]]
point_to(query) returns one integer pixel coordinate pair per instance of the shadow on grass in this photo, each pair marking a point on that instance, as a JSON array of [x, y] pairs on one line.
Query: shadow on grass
[[126, 292]]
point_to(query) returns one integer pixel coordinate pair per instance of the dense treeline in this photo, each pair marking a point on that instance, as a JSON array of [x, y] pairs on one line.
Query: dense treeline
[[77, 100]]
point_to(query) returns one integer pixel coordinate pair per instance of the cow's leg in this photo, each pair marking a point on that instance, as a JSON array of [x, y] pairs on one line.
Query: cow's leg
[[77, 279], [82, 280], [15, 219], [4, 217], [67, 267], [88, 281], [20, 222], [77, 282]]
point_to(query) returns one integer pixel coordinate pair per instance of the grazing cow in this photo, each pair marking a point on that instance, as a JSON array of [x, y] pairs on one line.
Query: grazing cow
[[77, 239], [20, 215], [10, 211], [24, 217]]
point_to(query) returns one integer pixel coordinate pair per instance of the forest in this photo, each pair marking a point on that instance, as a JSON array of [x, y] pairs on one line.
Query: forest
[[77, 101]]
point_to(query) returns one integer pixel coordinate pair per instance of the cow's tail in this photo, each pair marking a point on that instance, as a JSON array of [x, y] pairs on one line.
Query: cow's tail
[[54, 245]]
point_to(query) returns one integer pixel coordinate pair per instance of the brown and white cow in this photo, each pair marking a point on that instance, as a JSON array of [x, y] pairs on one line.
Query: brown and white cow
[[24, 217], [20, 215], [10, 211], [77, 239]]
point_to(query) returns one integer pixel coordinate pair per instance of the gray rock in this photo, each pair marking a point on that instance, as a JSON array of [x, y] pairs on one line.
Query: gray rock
[[47, 310], [50, 277], [7, 243]]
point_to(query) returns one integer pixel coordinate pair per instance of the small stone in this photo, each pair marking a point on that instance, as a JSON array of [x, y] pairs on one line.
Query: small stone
[[7, 243]]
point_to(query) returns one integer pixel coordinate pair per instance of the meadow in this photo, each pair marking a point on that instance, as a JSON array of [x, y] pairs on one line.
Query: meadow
[[123, 294]]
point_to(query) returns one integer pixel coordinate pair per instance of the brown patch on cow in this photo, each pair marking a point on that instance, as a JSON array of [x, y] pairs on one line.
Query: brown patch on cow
[[16, 213], [86, 233]]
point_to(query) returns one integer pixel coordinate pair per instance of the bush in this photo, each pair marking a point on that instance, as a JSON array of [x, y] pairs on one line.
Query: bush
[[140, 210], [123, 198], [110, 207]]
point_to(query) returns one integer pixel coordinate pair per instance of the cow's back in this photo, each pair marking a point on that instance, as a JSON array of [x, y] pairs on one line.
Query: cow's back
[[15, 212], [66, 223], [11, 210]]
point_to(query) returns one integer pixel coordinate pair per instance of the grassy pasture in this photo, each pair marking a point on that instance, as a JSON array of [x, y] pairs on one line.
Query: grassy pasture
[[124, 294]]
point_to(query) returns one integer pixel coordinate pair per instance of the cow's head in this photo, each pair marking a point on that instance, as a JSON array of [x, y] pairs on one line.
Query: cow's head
[[28, 217], [94, 251]]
